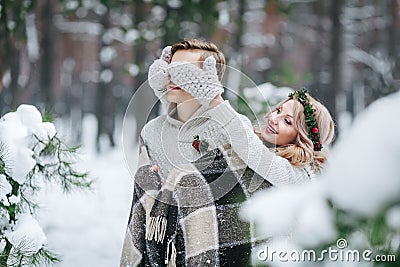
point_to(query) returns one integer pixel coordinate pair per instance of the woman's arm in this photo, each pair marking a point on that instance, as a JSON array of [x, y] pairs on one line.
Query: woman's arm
[[250, 149]]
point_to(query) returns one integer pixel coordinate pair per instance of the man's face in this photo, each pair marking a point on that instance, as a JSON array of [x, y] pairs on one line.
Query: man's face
[[174, 93]]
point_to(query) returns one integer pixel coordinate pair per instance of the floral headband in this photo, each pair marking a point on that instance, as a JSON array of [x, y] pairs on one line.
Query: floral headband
[[313, 131]]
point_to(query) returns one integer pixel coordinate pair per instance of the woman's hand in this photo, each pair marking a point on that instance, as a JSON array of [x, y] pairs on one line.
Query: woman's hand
[[201, 82], [158, 75], [216, 101]]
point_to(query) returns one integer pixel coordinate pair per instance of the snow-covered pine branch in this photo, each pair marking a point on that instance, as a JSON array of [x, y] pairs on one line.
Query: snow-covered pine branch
[[31, 153]]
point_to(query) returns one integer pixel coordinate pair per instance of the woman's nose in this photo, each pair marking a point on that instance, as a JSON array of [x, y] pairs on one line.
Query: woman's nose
[[272, 119]]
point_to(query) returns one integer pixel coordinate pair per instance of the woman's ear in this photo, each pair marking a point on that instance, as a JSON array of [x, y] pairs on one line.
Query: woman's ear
[[209, 64]]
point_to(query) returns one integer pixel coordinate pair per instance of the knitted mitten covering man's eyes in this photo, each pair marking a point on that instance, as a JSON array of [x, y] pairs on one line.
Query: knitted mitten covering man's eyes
[[202, 83]]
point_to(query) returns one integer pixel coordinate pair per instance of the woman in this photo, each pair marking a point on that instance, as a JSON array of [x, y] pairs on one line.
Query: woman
[[299, 126]]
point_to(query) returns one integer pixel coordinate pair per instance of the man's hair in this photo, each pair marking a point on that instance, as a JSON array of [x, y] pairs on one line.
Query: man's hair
[[209, 48]]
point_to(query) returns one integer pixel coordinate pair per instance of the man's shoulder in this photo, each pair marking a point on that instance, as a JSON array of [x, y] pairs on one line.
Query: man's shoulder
[[243, 117], [153, 126], [157, 120]]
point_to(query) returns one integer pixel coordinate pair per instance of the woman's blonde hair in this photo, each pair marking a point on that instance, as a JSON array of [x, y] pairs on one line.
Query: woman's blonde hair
[[302, 152]]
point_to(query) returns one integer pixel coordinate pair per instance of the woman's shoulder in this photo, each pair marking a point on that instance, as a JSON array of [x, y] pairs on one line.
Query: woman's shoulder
[[294, 174], [304, 173]]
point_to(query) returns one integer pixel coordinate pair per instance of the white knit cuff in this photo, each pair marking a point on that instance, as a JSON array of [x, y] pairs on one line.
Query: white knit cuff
[[223, 113]]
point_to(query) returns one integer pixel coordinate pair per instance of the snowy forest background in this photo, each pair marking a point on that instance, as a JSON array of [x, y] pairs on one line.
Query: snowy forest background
[[80, 57], [84, 60]]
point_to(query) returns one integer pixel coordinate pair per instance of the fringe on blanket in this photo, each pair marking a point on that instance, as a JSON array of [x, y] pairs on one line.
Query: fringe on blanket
[[171, 262], [156, 228]]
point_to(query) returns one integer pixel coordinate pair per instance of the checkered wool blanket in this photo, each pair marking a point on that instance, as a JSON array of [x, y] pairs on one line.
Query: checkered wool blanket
[[192, 217]]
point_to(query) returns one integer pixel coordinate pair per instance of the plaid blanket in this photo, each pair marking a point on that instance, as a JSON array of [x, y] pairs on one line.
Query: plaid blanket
[[192, 217]]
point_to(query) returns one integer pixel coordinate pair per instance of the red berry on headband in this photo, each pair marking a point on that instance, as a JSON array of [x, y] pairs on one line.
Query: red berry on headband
[[314, 130], [317, 146]]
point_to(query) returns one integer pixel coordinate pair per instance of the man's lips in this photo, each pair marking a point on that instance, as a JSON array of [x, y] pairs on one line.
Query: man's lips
[[175, 88]]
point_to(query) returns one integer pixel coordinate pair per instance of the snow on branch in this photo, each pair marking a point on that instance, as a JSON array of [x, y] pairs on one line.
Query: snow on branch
[[31, 154]]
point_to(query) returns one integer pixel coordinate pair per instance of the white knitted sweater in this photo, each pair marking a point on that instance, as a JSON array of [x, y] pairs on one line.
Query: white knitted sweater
[[169, 143], [277, 170]]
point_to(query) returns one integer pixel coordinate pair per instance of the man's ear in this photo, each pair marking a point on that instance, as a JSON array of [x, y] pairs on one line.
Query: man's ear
[[210, 64]]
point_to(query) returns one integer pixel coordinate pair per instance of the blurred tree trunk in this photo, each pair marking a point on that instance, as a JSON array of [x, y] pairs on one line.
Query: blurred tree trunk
[[11, 42], [104, 96], [237, 56], [394, 33], [170, 35], [317, 64], [4, 54], [15, 70], [47, 44], [139, 54], [336, 54], [237, 43]]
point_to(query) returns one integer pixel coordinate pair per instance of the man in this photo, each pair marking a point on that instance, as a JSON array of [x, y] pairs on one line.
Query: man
[[188, 185]]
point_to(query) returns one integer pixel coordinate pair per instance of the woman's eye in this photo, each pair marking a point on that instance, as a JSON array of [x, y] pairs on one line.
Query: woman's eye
[[278, 110], [288, 121]]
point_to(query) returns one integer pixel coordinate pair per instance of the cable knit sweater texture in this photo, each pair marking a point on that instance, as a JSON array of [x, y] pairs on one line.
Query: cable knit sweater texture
[[169, 143], [246, 144]]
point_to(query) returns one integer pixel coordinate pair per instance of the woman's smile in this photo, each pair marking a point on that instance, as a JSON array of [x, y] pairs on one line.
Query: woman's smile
[[270, 130]]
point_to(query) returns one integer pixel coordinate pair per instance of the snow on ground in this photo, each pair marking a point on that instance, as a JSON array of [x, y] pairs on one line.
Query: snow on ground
[[87, 228]]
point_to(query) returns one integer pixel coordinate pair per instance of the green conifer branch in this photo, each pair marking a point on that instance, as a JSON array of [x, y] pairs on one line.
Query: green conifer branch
[[55, 162]]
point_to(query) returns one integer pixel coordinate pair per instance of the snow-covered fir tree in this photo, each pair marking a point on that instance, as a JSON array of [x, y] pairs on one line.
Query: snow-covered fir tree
[[31, 154]]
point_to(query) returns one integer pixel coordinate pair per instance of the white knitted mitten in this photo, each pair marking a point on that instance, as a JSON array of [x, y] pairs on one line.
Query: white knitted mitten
[[158, 75], [202, 83]]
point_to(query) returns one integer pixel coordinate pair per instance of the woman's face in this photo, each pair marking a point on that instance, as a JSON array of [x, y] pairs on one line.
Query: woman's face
[[279, 125]]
